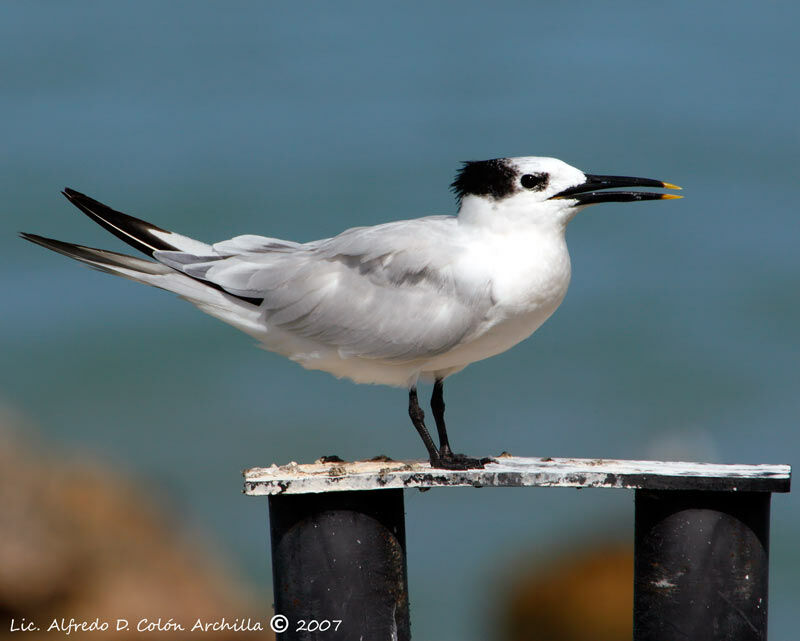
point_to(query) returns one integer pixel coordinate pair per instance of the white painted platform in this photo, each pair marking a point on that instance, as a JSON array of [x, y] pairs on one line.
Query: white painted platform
[[513, 471]]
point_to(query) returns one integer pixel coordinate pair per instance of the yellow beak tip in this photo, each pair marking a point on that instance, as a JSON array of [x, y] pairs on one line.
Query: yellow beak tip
[[671, 186], [670, 196]]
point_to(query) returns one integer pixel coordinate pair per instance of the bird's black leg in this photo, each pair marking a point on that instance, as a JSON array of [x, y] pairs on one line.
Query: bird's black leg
[[446, 458], [418, 419], [437, 405]]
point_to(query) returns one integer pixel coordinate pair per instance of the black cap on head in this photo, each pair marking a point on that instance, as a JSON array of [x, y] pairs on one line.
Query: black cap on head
[[494, 178]]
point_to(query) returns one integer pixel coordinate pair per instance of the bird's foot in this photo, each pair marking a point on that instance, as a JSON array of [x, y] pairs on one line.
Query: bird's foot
[[450, 461]]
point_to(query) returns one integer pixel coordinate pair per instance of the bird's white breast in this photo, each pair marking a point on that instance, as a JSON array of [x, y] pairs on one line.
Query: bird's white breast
[[529, 272]]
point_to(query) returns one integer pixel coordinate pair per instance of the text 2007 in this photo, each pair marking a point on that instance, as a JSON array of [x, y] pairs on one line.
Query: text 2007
[[312, 625]]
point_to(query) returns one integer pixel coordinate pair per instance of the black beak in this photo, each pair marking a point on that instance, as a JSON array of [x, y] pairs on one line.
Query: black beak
[[588, 193]]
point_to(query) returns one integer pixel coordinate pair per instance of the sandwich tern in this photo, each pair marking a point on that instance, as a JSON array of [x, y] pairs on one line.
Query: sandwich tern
[[392, 303]]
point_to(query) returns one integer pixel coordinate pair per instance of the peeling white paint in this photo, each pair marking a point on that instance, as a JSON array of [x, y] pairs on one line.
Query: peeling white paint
[[664, 583], [512, 471]]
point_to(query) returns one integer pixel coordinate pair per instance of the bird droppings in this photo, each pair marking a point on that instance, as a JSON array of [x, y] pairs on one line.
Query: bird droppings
[[332, 458], [511, 471]]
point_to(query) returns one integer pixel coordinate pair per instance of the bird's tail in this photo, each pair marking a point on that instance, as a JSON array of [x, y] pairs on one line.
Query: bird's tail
[[239, 311]]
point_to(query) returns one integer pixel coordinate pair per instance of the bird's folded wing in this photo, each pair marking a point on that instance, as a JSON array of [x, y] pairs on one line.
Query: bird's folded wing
[[384, 292]]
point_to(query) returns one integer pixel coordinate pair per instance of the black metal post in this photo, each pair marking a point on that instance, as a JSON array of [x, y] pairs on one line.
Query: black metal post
[[701, 566], [340, 557]]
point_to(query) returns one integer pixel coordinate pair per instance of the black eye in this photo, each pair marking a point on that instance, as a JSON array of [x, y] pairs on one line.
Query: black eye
[[536, 182]]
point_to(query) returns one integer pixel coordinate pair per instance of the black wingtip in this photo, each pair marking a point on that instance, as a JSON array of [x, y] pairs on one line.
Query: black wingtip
[[97, 257], [71, 194], [135, 232], [39, 240], [51, 243]]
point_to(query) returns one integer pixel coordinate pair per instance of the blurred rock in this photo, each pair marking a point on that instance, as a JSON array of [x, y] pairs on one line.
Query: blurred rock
[[79, 542], [575, 596]]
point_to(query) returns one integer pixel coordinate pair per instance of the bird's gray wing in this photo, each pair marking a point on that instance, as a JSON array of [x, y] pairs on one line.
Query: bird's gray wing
[[383, 292]]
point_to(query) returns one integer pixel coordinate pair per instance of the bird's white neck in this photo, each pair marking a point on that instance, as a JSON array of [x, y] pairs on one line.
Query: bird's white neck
[[515, 215]]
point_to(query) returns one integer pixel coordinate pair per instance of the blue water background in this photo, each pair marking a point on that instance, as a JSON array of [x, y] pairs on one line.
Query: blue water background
[[679, 337]]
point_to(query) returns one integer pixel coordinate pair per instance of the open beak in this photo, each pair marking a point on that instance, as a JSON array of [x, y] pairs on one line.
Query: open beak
[[589, 192]]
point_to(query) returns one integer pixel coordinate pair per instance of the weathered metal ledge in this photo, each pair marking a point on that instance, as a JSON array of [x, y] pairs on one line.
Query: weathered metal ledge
[[514, 471]]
